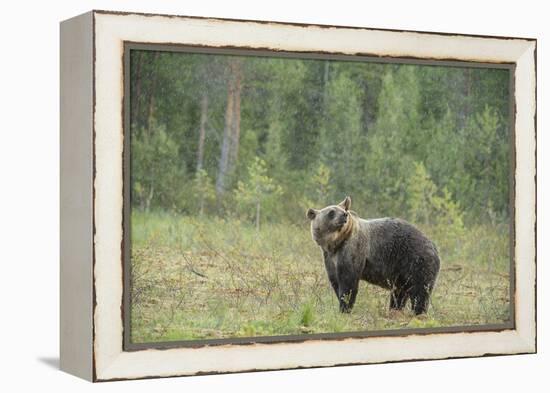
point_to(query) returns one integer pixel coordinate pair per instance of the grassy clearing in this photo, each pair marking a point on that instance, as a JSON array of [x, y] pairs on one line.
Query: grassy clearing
[[203, 278]]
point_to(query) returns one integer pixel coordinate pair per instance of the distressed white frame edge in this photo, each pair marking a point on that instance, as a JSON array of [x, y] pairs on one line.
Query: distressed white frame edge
[[76, 177], [111, 30]]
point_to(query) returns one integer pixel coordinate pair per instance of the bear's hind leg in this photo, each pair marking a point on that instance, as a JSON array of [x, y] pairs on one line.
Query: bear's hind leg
[[398, 299], [420, 299]]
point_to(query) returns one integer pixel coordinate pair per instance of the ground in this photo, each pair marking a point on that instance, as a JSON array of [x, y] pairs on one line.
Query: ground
[[198, 278]]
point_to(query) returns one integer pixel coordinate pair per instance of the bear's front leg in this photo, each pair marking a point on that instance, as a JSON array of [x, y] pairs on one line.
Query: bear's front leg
[[347, 298], [331, 272], [348, 285]]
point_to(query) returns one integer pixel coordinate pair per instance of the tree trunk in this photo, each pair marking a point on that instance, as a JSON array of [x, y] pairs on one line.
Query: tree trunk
[[258, 216], [467, 91], [150, 113], [231, 132], [236, 129], [201, 210], [325, 86], [149, 199], [226, 143], [202, 131], [152, 89], [134, 108]]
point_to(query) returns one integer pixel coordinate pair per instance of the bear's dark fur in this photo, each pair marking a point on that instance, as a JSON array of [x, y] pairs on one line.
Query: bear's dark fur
[[388, 252]]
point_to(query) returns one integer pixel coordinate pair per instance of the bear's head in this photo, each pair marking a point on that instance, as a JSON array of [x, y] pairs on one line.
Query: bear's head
[[332, 224]]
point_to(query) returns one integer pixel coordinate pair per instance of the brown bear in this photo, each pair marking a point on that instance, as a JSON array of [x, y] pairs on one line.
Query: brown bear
[[388, 252]]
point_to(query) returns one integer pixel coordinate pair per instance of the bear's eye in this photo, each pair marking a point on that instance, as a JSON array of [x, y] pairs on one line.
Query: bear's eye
[[331, 214]]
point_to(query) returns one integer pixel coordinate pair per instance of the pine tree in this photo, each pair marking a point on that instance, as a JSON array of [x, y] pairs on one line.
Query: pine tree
[[342, 140], [256, 189], [394, 140], [204, 191]]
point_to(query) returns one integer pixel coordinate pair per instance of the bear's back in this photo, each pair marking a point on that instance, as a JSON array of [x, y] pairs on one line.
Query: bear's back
[[394, 245]]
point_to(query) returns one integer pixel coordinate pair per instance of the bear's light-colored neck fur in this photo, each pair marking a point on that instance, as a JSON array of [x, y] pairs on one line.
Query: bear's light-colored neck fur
[[334, 240]]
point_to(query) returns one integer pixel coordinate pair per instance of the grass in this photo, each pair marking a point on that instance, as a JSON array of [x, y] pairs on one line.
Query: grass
[[199, 278]]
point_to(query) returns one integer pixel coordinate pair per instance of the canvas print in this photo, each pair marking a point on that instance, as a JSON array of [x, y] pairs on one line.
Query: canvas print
[[279, 196]]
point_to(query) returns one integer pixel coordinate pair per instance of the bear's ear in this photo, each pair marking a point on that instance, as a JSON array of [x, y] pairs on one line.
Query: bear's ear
[[311, 213], [345, 204]]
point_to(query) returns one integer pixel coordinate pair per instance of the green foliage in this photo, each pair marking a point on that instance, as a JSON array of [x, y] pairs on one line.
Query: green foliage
[[434, 209], [421, 192], [156, 171], [486, 164], [255, 191], [204, 192], [427, 205], [323, 129], [342, 141], [307, 315], [398, 104], [319, 187], [393, 141], [442, 151]]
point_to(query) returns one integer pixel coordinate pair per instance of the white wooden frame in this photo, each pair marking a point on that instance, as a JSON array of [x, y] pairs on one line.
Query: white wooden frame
[[92, 47]]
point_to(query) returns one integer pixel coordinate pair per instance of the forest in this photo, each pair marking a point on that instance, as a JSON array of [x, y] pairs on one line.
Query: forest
[[228, 152]]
